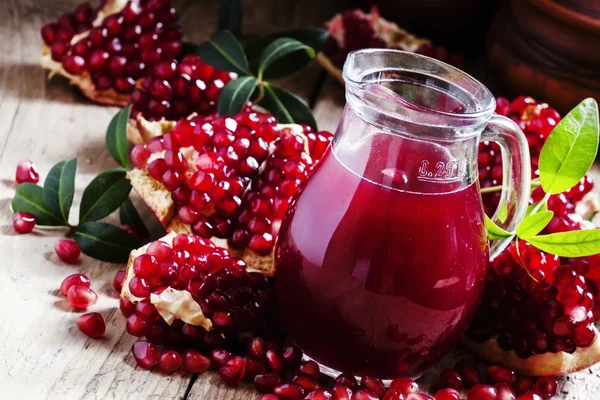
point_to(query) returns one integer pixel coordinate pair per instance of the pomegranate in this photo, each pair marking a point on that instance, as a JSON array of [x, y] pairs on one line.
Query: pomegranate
[[92, 324], [23, 222], [354, 29], [67, 250], [26, 172], [230, 179]]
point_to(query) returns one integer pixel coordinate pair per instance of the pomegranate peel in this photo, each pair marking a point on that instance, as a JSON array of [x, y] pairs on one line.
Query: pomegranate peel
[[140, 130], [546, 364]]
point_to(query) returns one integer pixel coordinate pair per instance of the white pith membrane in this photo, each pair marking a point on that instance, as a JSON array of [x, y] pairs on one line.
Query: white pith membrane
[[391, 34], [84, 80], [158, 198]]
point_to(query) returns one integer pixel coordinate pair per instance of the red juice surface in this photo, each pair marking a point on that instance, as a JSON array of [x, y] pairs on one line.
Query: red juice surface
[[374, 280]]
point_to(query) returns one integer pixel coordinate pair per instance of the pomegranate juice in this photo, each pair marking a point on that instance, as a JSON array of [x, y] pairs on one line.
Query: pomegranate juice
[[373, 279]]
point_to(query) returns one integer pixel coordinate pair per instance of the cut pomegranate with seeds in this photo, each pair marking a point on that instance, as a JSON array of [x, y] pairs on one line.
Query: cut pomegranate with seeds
[[194, 361], [118, 281], [81, 296], [450, 379], [169, 361], [233, 371], [145, 353], [92, 324], [75, 279], [447, 394], [26, 172], [546, 386], [67, 250], [266, 383], [404, 386], [23, 222], [482, 392]]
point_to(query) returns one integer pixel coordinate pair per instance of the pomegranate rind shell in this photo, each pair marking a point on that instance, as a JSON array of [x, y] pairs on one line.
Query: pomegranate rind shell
[[546, 364], [141, 130], [154, 194]]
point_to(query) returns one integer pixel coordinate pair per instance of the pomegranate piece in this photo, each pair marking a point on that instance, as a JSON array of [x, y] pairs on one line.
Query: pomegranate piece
[[482, 392], [26, 172], [118, 281], [450, 379], [404, 386], [233, 371], [546, 386], [145, 353], [75, 279], [501, 374], [266, 383], [194, 361], [447, 394], [169, 361], [24, 222], [67, 250], [92, 324], [81, 296]]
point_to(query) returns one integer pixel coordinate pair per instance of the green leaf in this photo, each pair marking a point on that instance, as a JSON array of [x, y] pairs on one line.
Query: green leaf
[[570, 149], [313, 37], [533, 224], [30, 198], [569, 244], [236, 94], [494, 231], [230, 16], [543, 207], [105, 242], [128, 215], [502, 212], [223, 51], [116, 136], [59, 188], [287, 107], [277, 51], [104, 195]]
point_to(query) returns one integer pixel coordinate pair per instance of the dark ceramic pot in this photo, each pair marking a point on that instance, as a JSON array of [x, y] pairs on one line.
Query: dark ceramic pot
[[546, 49]]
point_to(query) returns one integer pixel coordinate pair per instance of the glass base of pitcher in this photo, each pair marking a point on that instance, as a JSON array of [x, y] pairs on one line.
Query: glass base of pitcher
[[333, 373]]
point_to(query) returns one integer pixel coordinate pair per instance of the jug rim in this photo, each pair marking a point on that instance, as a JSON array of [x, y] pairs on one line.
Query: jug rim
[[391, 60]]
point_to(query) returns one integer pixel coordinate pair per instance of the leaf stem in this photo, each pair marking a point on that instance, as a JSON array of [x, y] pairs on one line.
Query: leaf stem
[[261, 91], [539, 205], [492, 189]]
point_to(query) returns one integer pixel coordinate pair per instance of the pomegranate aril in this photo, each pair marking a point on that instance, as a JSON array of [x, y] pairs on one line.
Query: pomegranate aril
[[501, 374], [306, 382], [26, 172], [169, 361], [139, 287], [482, 392], [469, 372], [59, 50], [450, 379], [254, 367], [266, 383], [194, 361], [126, 306], [319, 394], [92, 324], [404, 386], [546, 386], [268, 397], [75, 279], [23, 222], [289, 391], [81, 296], [136, 325], [373, 384], [233, 371], [529, 396], [364, 394], [312, 369], [147, 311], [145, 353], [257, 348], [447, 394], [342, 392], [67, 250]]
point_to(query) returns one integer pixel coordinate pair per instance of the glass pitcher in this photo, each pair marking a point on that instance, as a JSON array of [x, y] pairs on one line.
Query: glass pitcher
[[382, 257]]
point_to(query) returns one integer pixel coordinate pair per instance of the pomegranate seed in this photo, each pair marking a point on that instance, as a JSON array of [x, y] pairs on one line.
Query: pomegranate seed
[[81, 296], [118, 281], [418, 396], [501, 374], [257, 348], [194, 361], [319, 394], [147, 311], [233, 371], [145, 354], [126, 306], [311, 369], [373, 384], [254, 367], [546, 386], [404, 386], [289, 391], [145, 266], [136, 325], [169, 361], [74, 65], [139, 287], [26, 172], [343, 392], [469, 372], [364, 394], [529, 396], [268, 397], [140, 155], [91, 324], [67, 250], [504, 392], [23, 222], [447, 394], [274, 361], [75, 279], [59, 50], [292, 356], [220, 356], [266, 383], [482, 392], [450, 379], [306, 382], [523, 385]]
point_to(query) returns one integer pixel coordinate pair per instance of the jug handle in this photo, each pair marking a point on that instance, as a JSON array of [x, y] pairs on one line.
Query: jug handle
[[516, 172]]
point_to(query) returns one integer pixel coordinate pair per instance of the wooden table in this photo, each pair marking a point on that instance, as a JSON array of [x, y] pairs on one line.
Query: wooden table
[[42, 353]]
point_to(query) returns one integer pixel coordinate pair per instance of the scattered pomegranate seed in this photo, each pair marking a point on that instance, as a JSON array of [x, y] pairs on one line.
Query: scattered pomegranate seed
[[348, 380], [23, 222], [450, 379], [310, 368], [529, 396], [268, 397], [26, 172], [504, 392], [523, 385], [343, 392], [266, 383], [67, 250], [233, 371], [418, 396], [319, 394], [145, 353], [257, 348], [546, 386], [169, 361], [469, 372], [404, 386], [289, 391], [81, 296], [194, 361], [306, 382], [447, 394], [92, 324], [482, 392], [374, 385], [292, 356], [75, 279], [501, 374], [118, 281]]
